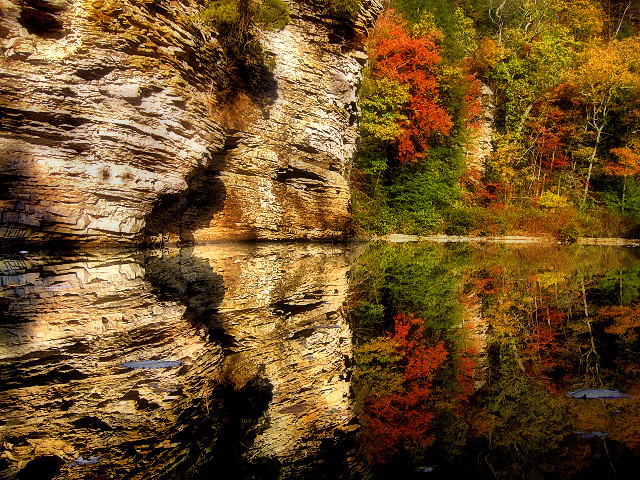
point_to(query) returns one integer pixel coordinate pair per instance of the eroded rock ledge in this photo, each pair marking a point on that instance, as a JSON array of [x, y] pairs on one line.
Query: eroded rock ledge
[[116, 125]]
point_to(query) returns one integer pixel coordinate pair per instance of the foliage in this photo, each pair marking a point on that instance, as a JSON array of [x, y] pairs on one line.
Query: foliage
[[551, 200], [383, 117], [420, 196], [239, 16], [566, 78], [626, 161], [486, 56], [398, 417], [561, 319], [607, 74], [404, 121], [343, 8], [272, 14], [236, 23], [221, 12], [584, 19], [373, 215], [410, 60]]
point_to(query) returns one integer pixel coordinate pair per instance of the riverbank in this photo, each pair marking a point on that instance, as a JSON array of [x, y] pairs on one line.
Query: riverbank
[[398, 238]]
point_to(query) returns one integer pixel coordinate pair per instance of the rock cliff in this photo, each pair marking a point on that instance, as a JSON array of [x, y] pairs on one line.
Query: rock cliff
[[121, 122], [480, 144]]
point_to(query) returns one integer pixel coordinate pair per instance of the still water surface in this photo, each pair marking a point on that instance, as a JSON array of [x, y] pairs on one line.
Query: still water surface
[[321, 361]]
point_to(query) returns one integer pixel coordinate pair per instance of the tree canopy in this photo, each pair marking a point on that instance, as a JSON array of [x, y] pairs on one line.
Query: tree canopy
[[551, 88]]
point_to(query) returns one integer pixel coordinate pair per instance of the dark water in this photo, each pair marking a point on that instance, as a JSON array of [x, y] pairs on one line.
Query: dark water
[[321, 361]]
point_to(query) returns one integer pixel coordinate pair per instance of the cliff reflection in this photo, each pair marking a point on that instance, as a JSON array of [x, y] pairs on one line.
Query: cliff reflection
[[260, 390], [467, 361]]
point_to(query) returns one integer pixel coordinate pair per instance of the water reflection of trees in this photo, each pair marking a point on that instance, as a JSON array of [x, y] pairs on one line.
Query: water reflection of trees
[[521, 326]]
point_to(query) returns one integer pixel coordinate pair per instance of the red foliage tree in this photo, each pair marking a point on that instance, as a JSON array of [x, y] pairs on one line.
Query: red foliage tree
[[546, 348], [404, 417], [554, 128], [473, 101], [411, 60]]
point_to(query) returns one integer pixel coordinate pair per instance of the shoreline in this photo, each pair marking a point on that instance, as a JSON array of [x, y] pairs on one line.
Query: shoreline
[[509, 239], [68, 247]]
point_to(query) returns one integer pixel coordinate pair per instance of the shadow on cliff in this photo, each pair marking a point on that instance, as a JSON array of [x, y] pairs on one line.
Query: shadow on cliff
[[186, 211], [229, 422], [14, 179], [191, 281]]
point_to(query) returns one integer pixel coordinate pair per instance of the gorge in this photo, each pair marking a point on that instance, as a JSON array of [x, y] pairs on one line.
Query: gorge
[[179, 298]]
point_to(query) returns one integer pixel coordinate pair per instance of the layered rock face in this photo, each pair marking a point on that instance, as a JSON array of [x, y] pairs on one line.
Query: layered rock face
[[480, 144], [250, 344], [120, 122]]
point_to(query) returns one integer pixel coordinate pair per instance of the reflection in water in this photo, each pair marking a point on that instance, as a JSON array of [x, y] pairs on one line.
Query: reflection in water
[[497, 362], [252, 380], [459, 360]]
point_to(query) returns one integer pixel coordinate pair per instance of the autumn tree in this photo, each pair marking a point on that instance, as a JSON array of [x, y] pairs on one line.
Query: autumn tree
[[407, 168], [625, 164], [399, 416], [406, 63], [607, 74]]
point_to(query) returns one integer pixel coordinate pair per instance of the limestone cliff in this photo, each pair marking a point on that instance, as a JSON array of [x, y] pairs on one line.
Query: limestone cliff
[[120, 122], [480, 144]]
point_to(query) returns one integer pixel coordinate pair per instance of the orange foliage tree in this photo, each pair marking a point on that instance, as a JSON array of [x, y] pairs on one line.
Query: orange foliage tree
[[625, 320], [610, 73], [626, 164], [411, 60]]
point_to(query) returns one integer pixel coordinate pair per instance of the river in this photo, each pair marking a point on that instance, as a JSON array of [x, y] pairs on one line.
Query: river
[[307, 360]]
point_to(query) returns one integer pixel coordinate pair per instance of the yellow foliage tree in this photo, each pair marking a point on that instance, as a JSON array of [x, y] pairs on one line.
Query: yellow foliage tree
[[608, 72]]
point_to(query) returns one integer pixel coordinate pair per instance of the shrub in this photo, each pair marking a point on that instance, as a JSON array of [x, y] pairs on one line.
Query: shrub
[[220, 12], [377, 219], [568, 234], [459, 221], [368, 314], [551, 200], [343, 8], [272, 14]]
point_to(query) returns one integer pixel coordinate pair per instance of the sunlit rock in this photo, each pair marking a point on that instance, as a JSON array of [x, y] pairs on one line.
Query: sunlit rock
[[120, 123]]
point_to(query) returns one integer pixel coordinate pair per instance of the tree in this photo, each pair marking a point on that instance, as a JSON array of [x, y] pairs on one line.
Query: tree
[[410, 61], [627, 164], [402, 417], [607, 73]]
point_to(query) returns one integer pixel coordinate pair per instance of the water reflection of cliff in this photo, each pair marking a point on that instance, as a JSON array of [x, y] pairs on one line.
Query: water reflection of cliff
[[258, 386]]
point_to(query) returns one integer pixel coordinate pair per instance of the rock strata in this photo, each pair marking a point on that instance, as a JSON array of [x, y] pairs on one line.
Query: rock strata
[[120, 123]]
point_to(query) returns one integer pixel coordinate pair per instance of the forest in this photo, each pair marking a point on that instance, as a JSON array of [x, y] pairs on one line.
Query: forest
[[501, 117]]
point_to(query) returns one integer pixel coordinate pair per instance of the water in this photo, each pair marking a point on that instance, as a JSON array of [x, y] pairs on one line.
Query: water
[[321, 361]]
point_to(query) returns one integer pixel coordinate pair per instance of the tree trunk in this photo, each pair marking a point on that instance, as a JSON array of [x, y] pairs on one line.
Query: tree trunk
[[592, 160], [523, 119]]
